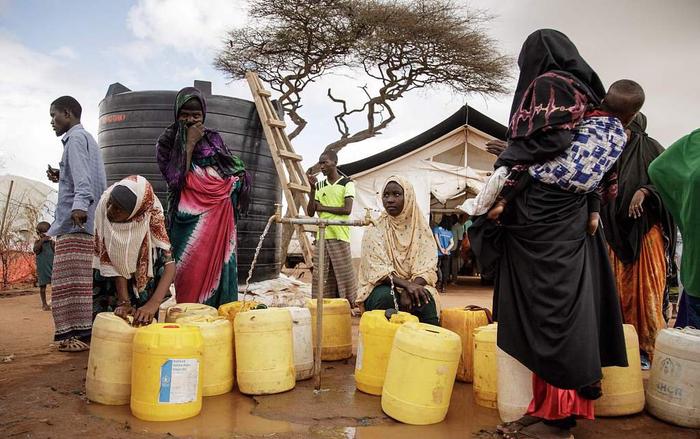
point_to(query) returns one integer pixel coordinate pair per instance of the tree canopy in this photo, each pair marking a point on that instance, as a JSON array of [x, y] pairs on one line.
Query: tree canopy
[[395, 47]]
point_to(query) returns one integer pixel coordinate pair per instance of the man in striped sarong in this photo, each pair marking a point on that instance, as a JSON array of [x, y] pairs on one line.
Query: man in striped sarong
[[332, 199], [81, 181]]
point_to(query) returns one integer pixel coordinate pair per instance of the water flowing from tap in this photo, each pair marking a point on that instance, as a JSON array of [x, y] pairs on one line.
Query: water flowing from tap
[[255, 257]]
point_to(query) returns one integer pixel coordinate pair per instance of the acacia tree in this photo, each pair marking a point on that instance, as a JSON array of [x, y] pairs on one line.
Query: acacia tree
[[396, 47]]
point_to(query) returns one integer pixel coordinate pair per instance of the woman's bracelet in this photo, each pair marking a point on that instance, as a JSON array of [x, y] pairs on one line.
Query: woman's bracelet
[[123, 302]]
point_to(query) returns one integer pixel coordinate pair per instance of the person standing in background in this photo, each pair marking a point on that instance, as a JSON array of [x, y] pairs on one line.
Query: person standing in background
[[332, 199], [81, 181], [676, 176], [641, 236], [44, 248], [457, 230], [444, 240], [465, 248]]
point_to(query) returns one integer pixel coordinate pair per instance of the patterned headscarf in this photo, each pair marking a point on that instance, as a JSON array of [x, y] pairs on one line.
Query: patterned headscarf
[[556, 86], [547, 50], [129, 248], [402, 246], [187, 94], [209, 151]]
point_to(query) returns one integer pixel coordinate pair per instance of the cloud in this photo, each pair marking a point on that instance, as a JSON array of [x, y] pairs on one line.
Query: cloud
[[186, 25], [65, 52], [137, 51], [187, 74], [4, 6], [31, 80]]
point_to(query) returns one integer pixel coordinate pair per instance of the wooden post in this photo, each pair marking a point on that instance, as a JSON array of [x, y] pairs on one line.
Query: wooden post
[[319, 304], [7, 206]]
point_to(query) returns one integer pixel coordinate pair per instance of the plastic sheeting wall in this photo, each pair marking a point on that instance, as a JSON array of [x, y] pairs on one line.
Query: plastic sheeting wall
[[428, 177]]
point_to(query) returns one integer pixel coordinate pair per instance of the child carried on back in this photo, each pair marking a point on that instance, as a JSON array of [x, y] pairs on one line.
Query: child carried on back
[[583, 167]]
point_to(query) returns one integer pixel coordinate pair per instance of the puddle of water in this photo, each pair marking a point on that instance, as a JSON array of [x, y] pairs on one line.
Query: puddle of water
[[225, 415], [340, 413], [463, 419], [220, 417]]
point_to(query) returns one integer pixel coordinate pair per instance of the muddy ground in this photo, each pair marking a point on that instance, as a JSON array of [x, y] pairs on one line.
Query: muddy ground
[[42, 395]]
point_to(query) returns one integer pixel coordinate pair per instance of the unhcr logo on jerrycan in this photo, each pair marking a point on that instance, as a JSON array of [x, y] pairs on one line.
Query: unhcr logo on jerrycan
[[670, 370]]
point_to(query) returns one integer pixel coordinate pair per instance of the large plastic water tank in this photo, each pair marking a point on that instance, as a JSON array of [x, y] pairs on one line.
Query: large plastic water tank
[[130, 123]]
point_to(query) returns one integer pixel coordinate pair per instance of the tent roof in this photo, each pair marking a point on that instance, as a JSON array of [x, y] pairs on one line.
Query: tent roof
[[464, 116]]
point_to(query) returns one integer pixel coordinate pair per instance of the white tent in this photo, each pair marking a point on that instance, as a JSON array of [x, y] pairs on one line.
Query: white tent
[[446, 164], [32, 201]]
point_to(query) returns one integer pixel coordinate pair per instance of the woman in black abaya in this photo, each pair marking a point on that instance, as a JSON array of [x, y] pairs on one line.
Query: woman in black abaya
[[555, 299]]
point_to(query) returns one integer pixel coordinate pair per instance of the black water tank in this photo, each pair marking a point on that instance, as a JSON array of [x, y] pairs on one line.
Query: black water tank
[[130, 123]]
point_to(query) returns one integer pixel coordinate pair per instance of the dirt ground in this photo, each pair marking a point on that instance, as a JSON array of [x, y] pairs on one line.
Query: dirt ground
[[42, 395]]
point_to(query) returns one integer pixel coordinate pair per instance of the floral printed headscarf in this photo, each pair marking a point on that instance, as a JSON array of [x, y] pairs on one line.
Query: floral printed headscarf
[[401, 246]]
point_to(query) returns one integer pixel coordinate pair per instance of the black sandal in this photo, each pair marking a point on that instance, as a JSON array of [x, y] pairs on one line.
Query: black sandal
[[516, 426]]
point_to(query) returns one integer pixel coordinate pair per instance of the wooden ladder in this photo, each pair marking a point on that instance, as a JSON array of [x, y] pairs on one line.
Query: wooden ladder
[[295, 185]]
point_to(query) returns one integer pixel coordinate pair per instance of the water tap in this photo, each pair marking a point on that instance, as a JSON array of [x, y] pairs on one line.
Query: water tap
[[278, 213], [367, 220]]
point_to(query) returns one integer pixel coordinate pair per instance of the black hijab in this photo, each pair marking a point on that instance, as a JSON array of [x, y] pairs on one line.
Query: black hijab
[[547, 50], [552, 74], [625, 234]]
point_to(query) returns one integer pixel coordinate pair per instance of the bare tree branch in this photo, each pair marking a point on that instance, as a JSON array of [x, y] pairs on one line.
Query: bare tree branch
[[398, 46]]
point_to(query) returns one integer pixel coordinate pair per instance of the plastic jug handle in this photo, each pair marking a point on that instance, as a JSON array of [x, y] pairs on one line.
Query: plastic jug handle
[[489, 317]]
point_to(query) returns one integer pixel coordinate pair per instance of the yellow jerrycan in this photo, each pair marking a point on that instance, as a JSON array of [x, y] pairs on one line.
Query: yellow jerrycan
[[264, 351], [188, 309], [303, 344], [673, 390], [166, 379], [374, 345], [463, 321], [623, 387], [421, 373], [108, 377], [336, 343], [230, 311], [217, 352], [485, 366]]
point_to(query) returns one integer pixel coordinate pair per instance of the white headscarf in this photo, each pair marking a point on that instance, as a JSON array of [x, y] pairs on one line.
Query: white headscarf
[[128, 248]]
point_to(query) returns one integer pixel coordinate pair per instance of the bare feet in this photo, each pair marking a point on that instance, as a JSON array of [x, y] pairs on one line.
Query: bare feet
[[46, 307]]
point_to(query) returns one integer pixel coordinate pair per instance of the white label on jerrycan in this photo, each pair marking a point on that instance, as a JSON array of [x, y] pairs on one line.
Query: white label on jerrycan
[[360, 353], [179, 379]]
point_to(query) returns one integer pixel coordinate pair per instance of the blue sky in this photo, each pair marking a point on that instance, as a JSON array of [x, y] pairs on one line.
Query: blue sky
[[79, 47]]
